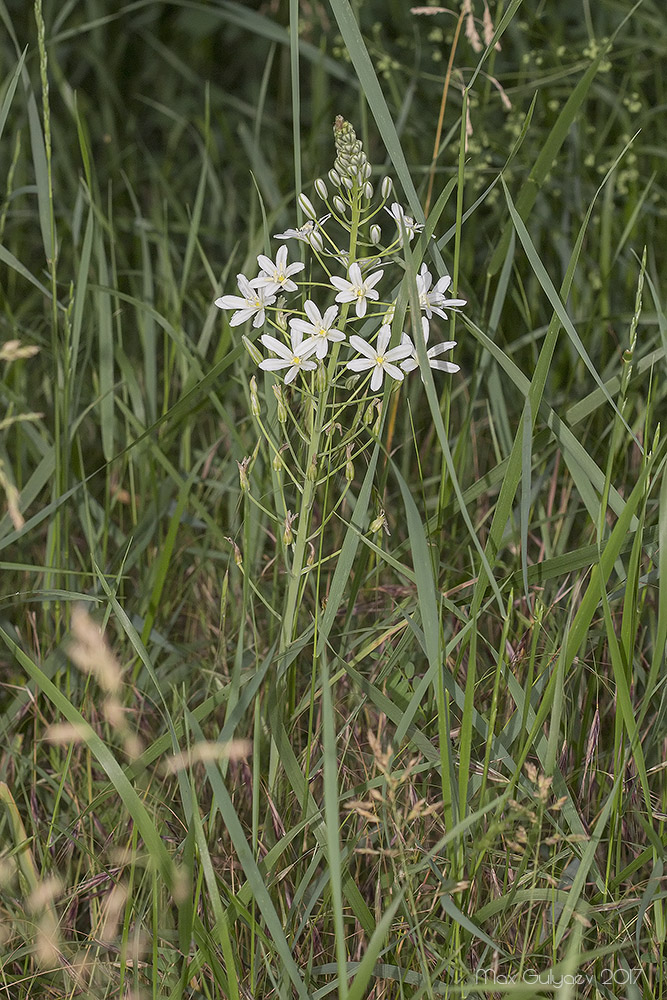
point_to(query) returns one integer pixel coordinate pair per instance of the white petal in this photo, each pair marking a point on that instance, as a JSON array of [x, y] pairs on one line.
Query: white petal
[[312, 312], [230, 302], [398, 353], [394, 372], [329, 316], [363, 347], [360, 365], [384, 337], [274, 364], [372, 279], [441, 348], [275, 345], [376, 380], [446, 366], [355, 275]]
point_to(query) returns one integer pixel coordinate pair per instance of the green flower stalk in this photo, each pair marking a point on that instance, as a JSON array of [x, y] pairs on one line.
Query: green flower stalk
[[326, 372]]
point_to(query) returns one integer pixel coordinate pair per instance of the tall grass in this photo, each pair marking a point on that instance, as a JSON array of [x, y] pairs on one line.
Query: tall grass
[[431, 761]]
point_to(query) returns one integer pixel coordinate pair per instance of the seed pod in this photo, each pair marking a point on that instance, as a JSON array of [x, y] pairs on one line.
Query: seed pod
[[252, 350], [254, 398]]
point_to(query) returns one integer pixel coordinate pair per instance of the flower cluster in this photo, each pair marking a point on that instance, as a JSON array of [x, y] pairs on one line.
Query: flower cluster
[[315, 335]]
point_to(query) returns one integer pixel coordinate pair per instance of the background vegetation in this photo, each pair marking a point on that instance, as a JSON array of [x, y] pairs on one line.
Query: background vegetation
[[467, 781]]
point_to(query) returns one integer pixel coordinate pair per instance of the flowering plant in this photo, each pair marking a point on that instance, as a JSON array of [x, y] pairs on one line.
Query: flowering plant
[[308, 332]]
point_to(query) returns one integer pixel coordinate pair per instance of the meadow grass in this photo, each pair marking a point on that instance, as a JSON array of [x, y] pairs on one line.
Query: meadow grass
[[411, 743]]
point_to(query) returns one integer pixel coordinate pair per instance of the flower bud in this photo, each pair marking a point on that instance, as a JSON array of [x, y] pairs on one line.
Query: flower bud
[[252, 350], [368, 190], [306, 207], [369, 415], [385, 190], [282, 409], [334, 177], [339, 204], [254, 398], [321, 189], [348, 183], [316, 242], [321, 378], [376, 234], [278, 464]]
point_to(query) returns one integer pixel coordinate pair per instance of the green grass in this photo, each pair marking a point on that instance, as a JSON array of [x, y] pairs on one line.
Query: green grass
[[427, 761]]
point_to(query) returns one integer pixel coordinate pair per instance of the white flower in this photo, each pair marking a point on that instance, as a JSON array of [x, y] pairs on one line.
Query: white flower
[[277, 275], [412, 362], [253, 302], [434, 301], [404, 222], [306, 234], [319, 328], [379, 358], [295, 357], [357, 289]]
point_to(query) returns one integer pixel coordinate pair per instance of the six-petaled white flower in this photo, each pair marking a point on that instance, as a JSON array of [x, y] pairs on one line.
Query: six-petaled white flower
[[277, 275], [319, 328], [434, 301], [294, 357], [357, 289], [412, 362], [378, 358], [305, 234], [404, 222], [253, 302]]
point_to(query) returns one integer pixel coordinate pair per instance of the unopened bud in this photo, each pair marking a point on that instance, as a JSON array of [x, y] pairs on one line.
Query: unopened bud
[[278, 464], [369, 415], [349, 466], [307, 207], [368, 190], [367, 170], [334, 177], [376, 234], [315, 241], [339, 204], [321, 377], [386, 187], [321, 189], [254, 398], [252, 350], [282, 409], [348, 183]]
